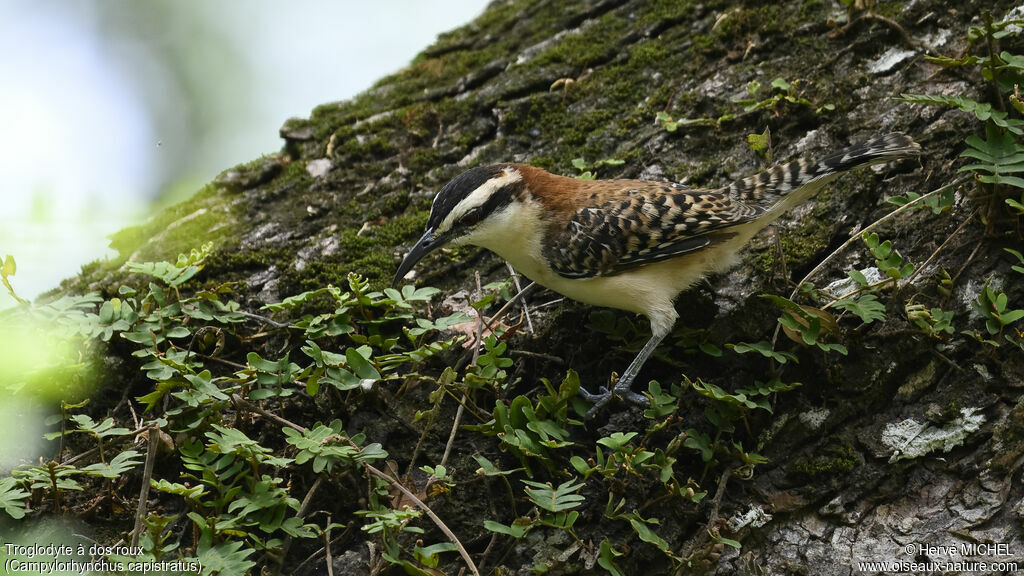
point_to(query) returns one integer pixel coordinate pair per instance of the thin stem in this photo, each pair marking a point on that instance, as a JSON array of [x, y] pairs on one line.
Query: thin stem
[[147, 474], [854, 238], [375, 472]]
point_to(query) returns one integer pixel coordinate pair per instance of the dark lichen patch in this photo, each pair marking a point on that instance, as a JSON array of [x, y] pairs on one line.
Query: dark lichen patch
[[1009, 439]]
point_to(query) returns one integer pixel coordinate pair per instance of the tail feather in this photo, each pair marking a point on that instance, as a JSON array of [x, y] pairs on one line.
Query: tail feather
[[763, 190]]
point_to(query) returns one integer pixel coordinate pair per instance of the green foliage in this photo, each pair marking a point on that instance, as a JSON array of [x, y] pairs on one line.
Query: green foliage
[[12, 498], [1020, 258], [628, 459], [606, 558], [236, 498], [999, 156], [235, 485], [391, 521], [761, 143], [982, 110], [1016, 206], [764, 348], [49, 476], [531, 431], [617, 327], [554, 508], [490, 366], [588, 171], [671, 125], [781, 93], [807, 325], [326, 446], [780, 97], [934, 322], [224, 558], [939, 203], [156, 541], [663, 404], [176, 274], [389, 524], [887, 258], [518, 529], [118, 466], [7, 269], [439, 473], [865, 306], [994, 308], [548, 497], [734, 403], [644, 527], [99, 431]]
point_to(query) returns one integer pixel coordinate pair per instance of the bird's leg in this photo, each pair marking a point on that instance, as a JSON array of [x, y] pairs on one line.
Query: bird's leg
[[622, 387]]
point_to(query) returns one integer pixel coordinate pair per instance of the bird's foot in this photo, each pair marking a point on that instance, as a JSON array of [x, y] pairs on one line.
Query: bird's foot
[[604, 396]]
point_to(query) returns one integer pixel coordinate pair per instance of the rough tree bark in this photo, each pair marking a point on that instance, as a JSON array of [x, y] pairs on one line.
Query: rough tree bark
[[545, 82]]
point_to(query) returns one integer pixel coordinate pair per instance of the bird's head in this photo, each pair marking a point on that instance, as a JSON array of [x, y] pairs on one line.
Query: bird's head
[[464, 209]]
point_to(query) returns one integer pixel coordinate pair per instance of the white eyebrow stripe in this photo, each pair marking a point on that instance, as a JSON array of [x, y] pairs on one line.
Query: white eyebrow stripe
[[478, 197]]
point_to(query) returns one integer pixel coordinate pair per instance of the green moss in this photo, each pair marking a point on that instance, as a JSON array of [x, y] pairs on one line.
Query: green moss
[[363, 148], [371, 254], [294, 173], [586, 48], [650, 53], [838, 460], [805, 244], [659, 11], [423, 159], [396, 230], [811, 9]]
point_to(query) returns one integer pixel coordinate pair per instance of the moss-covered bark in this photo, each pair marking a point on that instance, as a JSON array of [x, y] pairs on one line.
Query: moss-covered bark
[[545, 82]]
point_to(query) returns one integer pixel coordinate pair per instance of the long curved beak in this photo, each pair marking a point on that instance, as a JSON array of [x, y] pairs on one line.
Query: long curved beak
[[426, 244]]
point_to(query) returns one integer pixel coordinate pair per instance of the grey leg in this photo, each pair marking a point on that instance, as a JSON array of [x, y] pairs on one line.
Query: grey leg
[[622, 387]]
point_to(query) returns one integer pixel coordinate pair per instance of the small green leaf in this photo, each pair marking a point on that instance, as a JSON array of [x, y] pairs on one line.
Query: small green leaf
[[759, 142], [726, 541], [9, 267], [606, 558], [858, 277], [516, 530], [12, 498]]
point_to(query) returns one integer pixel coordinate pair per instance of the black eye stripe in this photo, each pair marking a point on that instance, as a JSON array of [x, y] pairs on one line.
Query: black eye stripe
[[499, 198], [471, 217], [466, 184], [459, 188]]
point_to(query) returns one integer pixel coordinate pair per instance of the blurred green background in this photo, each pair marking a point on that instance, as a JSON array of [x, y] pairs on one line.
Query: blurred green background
[[112, 108]]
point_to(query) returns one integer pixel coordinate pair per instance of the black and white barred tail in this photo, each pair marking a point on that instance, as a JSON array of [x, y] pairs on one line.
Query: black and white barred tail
[[768, 187]]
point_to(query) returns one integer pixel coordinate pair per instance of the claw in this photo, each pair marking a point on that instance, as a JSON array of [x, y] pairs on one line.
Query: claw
[[621, 388], [604, 396], [602, 393], [631, 397]]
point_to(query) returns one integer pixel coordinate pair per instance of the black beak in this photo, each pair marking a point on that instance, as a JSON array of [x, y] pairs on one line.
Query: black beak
[[426, 244]]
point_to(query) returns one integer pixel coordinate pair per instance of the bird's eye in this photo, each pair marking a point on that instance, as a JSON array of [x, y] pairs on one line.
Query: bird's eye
[[471, 218]]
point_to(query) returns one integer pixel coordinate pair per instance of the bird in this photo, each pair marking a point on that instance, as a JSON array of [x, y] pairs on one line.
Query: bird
[[634, 245]]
